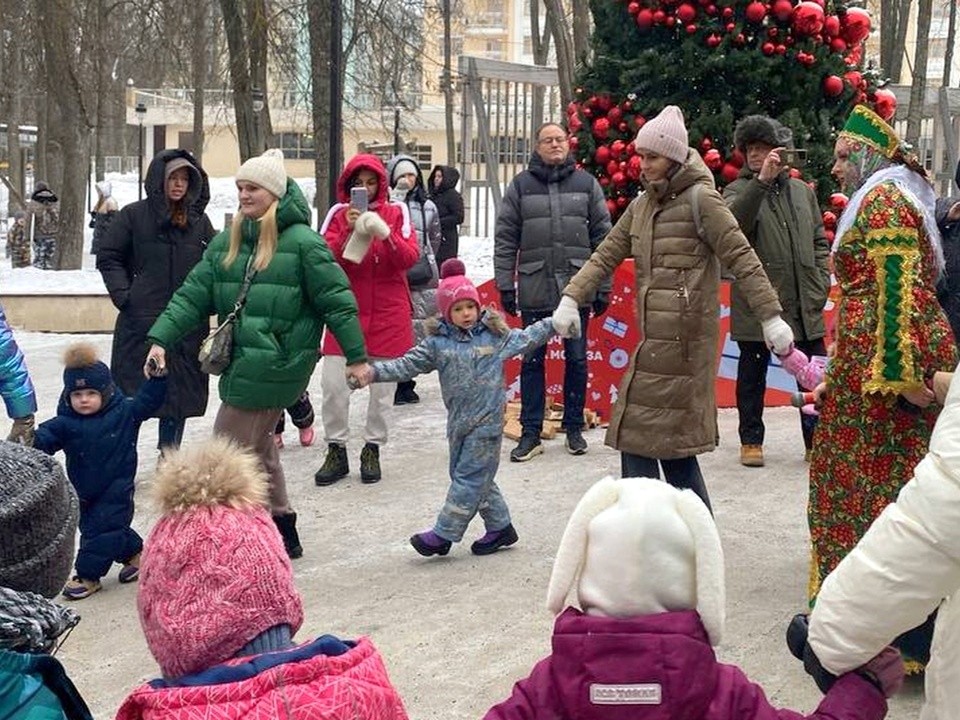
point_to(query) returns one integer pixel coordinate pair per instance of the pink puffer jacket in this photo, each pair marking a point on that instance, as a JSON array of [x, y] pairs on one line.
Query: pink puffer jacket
[[303, 683]]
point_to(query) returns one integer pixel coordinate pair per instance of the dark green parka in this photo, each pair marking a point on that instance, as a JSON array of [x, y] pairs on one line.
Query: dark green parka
[[782, 222], [278, 331]]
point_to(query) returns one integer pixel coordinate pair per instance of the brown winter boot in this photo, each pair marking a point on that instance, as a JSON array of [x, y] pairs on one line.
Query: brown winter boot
[[751, 455]]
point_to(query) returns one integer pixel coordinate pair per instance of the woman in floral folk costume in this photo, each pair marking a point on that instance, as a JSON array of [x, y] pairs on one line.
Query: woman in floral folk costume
[[878, 411]]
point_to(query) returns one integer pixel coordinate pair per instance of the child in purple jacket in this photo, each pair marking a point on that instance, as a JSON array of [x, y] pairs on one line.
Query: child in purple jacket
[[647, 564]]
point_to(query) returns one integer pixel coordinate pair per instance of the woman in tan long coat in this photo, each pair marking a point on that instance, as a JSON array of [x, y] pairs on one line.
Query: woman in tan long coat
[[666, 409]]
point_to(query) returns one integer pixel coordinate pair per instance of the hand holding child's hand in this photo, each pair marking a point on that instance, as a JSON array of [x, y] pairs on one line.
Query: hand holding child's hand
[[359, 375], [156, 364], [885, 670]]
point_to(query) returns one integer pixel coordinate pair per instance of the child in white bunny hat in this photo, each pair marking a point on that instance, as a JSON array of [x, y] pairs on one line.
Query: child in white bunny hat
[[646, 562]]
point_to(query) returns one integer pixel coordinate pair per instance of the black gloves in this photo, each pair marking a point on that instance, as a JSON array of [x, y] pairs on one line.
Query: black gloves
[[508, 299], [799, 647], [601, 303]]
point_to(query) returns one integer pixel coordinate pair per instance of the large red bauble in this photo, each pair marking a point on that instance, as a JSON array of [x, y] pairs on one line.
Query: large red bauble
[[756, 12], [633, 167], [633, 8], [631, 149], [686, 13], [838, 45], [691, 29], [670, 21], [604, 102], [659, 16], [622, 201], [711, 10], [572, 108], [617, 148], [807, 18], [615, 115], [574, 124], [829, 219], [832, 86], [601, 128], [885, 104], [612, 166], [713, 159], [574, 142], [780, 49], [727, 13], [855, 25], [838, 201], [645, 19], [618, 179], [831, 26], [713, 40], [729, 172], [601, 156], [782, 10], [854, 78], [611, 204], [768, 48], [604, 181]]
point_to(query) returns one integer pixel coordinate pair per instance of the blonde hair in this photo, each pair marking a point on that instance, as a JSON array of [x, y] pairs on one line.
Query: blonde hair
[[266, 242]]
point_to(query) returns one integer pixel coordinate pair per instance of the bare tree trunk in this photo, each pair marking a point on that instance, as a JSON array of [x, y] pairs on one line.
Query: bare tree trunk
[[581, 31], [71, 126], [319, 18], [951, 39], [919, 82], [14, 85], [257, 27], [198, 72], [240, 80], [448, 85], [894, 18], [541, 52], [560, 29]]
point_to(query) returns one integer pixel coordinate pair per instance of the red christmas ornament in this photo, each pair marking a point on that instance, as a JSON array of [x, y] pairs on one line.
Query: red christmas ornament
[[807, 18], [806, 59], [795, 173], [670, 21], [737, 158], [740, 40], [622, 202], [713, 40], [706, 144], [586, 111], [838, 45], [855, 56], [601, 128], [615, 115], [782, 10], [729, 172], [611, 204], [885, 104], [645, 19], [601, 156], [780, 49], [627, 105], [659, 16], [832, 86], [617, 148], [633, 167], [773, 32], [713, 159], [855, 25], [831, 26], [633, 8], [727, 13], [631, 149], [829, 219], [574, 142], [639, 121], [828, 234], [854, 78], [618, 179], [768, 48], [604, 182], [686, 13], [838, 201], [730, 27], [756, 12], [712, 10], [691, 29], [604, 102], [574, 124], [622, 127], [612, 167], [572, 108]]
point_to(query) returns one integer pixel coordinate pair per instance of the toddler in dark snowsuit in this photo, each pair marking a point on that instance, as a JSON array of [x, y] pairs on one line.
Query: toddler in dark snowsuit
[[97, 427], [468, 348]]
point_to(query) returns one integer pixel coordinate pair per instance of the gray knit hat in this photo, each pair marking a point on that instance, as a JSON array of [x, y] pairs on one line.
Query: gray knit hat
[[38, 521]]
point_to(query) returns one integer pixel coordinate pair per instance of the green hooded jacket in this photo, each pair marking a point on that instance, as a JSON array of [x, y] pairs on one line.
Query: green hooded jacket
[[278, 331]]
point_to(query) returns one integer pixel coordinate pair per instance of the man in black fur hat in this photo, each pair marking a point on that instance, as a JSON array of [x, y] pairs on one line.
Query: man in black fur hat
[[781, 219]]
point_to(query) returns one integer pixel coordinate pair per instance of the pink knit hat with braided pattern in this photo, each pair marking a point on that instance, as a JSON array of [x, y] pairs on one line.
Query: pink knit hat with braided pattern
[[214, 574], [454, 287]]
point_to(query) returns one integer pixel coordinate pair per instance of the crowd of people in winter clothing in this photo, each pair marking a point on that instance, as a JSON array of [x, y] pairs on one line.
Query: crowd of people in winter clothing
[[381, 297]]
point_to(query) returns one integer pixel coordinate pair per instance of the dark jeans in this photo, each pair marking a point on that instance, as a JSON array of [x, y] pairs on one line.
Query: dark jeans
[[533, 381], [752, 384], [682, 473], [171, 432]]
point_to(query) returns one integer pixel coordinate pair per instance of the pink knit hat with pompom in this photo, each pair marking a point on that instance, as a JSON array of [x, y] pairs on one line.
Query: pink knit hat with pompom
[[214, 574], [454, 286]]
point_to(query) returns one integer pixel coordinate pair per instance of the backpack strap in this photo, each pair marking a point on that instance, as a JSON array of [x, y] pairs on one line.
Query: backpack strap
[[695, 206]]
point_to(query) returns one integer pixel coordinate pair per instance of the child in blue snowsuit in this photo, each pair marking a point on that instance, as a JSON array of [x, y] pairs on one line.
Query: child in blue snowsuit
[[97, 427], [468, 349]]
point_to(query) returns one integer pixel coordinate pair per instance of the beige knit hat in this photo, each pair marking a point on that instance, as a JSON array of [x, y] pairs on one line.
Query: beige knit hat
[[267, 171], [665, 134]]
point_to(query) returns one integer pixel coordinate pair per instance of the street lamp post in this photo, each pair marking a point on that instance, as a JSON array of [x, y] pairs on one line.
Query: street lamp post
[[141, 110], [396, 130], [257, 102]]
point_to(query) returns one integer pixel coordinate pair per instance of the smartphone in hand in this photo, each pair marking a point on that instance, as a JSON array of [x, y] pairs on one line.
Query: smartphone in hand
[[359, 199], [796, 157]]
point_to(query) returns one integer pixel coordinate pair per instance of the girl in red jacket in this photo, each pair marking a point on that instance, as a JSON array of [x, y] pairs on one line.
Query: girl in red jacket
[[219, 608], [646, 561], [375, 246]]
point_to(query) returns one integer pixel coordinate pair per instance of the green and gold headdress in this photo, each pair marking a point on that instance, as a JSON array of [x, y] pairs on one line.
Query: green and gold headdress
[[865, 126]]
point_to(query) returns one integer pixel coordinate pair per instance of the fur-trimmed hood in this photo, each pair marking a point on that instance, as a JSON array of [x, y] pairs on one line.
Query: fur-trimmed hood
[[489, 319], [219, 472]]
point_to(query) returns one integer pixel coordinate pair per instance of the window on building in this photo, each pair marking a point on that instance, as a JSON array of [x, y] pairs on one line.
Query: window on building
[[295, 146], [493, 49]]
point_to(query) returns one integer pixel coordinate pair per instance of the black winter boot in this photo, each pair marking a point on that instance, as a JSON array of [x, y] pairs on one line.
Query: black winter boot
[[287, 525], [335, 466], [370, 463]]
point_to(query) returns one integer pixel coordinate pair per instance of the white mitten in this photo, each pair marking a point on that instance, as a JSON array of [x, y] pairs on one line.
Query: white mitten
[[356, 247], [371, 224], [566, 318], [777, 334]]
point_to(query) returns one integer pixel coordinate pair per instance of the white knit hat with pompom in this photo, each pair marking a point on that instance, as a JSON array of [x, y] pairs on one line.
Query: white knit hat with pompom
[[267, 171]]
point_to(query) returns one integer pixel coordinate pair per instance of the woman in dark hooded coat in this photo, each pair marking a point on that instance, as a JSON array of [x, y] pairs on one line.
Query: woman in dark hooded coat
[[150, 248], [442, 187]]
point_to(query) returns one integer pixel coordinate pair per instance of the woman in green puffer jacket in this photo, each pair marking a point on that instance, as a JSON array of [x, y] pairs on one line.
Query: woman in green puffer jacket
[[297, 289]]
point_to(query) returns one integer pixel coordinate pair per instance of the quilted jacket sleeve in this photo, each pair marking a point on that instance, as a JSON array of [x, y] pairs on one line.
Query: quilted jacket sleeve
[[532, 698], [612, 251], [906, 563]]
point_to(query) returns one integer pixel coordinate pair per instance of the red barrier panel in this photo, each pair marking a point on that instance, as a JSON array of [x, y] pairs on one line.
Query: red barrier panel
[[612, 338]]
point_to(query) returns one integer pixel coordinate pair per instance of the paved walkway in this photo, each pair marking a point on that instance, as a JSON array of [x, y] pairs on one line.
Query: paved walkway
[[456, 632]]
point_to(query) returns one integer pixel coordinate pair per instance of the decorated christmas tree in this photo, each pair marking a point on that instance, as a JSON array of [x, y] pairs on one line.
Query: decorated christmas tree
[[719, 60]]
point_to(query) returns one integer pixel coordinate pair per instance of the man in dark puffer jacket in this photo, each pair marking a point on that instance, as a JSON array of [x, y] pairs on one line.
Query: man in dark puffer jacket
[[553, 216]]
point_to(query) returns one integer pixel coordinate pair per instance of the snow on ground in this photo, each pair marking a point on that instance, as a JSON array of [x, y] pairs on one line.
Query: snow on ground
[[476, 253]]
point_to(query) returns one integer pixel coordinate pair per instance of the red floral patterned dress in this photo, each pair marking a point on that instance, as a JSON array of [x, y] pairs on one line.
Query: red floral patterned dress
[[891, 334]]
